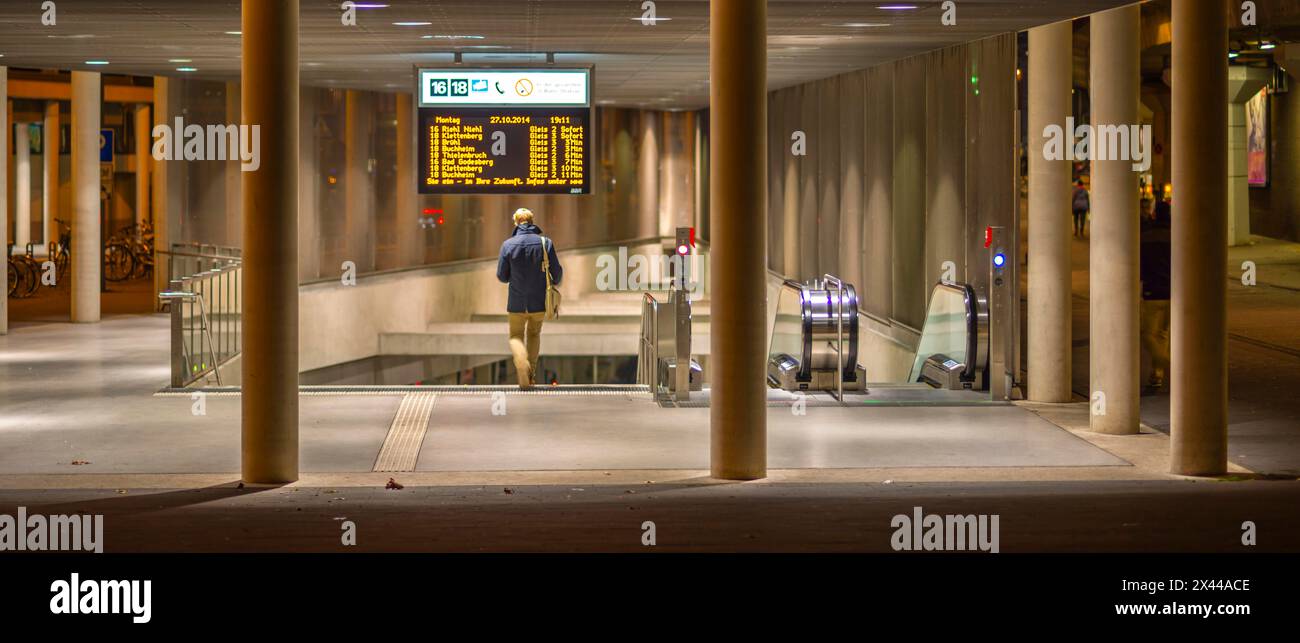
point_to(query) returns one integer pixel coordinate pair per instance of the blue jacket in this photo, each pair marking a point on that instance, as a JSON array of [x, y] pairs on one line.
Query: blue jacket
[[520, 266]]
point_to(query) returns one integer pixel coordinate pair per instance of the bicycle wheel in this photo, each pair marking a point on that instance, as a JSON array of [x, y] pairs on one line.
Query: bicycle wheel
[[12, 278], [33, 277], [117, 262]]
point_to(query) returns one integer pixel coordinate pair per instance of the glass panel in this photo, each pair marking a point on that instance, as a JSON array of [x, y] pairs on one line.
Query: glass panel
[[787, 327], [945, 329]]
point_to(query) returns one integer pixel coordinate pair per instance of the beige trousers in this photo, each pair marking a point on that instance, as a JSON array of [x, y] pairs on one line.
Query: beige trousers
[[525, 344]]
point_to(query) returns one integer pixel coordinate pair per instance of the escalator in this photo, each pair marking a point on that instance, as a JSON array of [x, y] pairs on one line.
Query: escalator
[[817, 342]]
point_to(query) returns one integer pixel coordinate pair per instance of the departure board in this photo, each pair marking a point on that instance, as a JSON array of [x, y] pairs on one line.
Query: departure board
[[504, 130], [504, 150]]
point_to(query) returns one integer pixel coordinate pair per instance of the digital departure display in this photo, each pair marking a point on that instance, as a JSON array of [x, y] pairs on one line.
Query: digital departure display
[[504, 130], [504, 151]]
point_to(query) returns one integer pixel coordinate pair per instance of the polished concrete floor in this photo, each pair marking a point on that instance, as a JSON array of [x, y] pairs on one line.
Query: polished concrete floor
[[80, 398], [1263, 355]]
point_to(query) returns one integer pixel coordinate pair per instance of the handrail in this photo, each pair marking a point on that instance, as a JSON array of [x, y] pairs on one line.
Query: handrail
[[839, 334], [206, 316], [648, 358]]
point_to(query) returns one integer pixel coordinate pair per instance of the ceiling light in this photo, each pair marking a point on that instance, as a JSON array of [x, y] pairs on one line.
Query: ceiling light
[[452, 37], [96, 62], [648, 19], [186, 69], [860, 24], [411, 24], [1232, 54], [1268, 45], [896, 7], [369, 5], [179, 60], [234, 33]]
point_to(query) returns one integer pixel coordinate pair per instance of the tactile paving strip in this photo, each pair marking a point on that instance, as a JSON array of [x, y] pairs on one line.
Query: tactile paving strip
[[405, 436]]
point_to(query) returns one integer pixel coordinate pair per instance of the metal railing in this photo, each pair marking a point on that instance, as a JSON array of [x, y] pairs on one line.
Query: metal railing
[[648, 354], [204, 296], [185, 259], [839, 333]]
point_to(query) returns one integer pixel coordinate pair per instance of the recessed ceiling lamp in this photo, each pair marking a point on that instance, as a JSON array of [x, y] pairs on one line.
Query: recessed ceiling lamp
[[896, 7], [451, 37], [1268, 45], [234, 33], [186, 69], [96, 62], [369, 5], [411, 24], [648, 19], [179, 60], [1232, 54], [859, 24]]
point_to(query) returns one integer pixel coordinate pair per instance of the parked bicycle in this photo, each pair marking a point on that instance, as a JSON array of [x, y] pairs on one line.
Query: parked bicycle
[[129, 254], [24, 275]]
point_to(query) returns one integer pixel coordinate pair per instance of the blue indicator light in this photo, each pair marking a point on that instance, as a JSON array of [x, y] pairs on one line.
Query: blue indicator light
[[999, 260]]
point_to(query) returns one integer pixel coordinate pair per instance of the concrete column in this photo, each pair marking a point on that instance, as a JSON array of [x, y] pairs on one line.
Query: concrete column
[[675, 185], [358, 182], [22, 188], [308, 183], [738, 205], [648, 176], [167, 180], [50, 150], [270, 357], [1198, 402], [1113, 249], [87, 247], [790, 210], [6, 109], [406, 217], [143, 159], [234, 220], [1050, 51], [1243, 84]]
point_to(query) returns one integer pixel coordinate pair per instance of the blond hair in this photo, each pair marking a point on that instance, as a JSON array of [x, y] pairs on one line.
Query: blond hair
[[523, 215]]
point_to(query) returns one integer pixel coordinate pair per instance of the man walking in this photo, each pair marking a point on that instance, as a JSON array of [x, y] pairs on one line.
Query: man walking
[[520, 265]]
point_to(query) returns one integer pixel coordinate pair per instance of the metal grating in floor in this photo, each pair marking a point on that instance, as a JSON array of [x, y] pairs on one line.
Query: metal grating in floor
[[406, 435]]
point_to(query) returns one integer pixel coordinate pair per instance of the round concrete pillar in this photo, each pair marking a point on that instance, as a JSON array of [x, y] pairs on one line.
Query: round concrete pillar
[[1050, 49], [1198, 405], [50, 151], [270, 203], [1113, 289], [87, 245], [22, 187], [143, 159], [738, 207]]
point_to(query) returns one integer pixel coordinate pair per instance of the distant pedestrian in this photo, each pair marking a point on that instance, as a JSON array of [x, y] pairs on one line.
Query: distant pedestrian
[[1079, 203], [529, 264], [1154, 263]]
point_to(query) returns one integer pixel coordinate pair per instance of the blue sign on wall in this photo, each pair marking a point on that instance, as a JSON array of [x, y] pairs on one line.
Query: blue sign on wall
[[106, 146]]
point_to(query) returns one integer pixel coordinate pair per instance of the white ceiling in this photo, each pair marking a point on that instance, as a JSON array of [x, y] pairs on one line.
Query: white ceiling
[[663, 66]]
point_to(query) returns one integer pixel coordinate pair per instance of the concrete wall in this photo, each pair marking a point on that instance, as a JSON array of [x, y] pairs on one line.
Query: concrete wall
[[906, 164], [1275, 210], [339, 323]]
